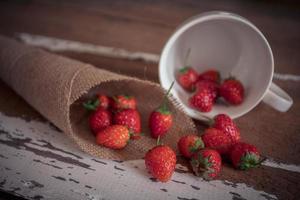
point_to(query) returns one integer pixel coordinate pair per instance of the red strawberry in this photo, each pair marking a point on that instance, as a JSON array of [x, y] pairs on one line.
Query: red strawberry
[[99, 120], [131, 119], [189, 144], [187, 78], [161, 119], [232, 91], [123, 102], [216, 139], [114, 137], [212, 86], [224, 123], [160, 122], [202, 100], [206, 163], [101, 101], [211, 75], [245, 156], [161, 161]]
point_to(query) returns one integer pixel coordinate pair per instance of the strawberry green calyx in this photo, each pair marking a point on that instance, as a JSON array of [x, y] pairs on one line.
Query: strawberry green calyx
[[127, 96], [204, 162], [183, 70], [187, 55], [164, 110], [198, 144], [133, 134], [249, 160], [202, 167], [91, 104]]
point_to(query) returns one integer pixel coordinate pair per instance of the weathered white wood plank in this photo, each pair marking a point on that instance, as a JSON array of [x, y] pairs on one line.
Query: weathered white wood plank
[[37, 161]]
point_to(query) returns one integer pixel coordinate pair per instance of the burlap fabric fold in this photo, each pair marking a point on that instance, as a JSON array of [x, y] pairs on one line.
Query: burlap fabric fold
[[56, 86]]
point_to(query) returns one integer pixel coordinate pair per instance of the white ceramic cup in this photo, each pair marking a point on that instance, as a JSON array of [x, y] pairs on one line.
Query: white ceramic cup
[[232, 45]]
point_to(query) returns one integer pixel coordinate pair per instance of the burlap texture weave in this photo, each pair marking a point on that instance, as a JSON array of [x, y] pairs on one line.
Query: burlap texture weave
[[56, 86]]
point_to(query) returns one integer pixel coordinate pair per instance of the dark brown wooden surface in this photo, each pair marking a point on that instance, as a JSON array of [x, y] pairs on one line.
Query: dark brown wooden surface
[[145, 26]]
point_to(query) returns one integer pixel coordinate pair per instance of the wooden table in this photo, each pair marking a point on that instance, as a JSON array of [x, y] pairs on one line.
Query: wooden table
[[39, 162]]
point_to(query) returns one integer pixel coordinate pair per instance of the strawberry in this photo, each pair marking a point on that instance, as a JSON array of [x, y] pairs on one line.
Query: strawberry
[[161, 119], [216, 139], [202, 100], [189, 144], [211, 75], [245, 156], [161, 161], [210, 85], [232, 91], [160, 122], [206, 163], [224, 123], [100, 119], [114, 137], [101, 101], [120, 102], [131, 119], [187, 78]]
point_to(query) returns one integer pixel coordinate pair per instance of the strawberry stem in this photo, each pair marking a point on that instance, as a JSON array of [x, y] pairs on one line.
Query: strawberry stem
[[187, 55], [230, 77], [163, 108], [115, 99], [158, 141]]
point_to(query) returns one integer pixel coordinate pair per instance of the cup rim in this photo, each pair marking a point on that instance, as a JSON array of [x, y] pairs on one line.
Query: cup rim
[[206, 16]]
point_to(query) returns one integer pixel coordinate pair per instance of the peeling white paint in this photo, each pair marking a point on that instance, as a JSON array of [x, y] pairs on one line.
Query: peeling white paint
[[286, 77], [101, 180], [55, 44], [279, 165]]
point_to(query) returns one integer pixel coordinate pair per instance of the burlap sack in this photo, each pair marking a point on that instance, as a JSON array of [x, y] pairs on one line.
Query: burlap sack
[[56, 86]]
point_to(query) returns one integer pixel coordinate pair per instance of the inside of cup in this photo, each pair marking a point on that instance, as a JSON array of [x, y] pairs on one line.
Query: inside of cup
[[233, 47]]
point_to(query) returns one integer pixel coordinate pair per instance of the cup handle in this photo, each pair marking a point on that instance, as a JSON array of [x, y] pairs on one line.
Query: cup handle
[[277, 98]]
